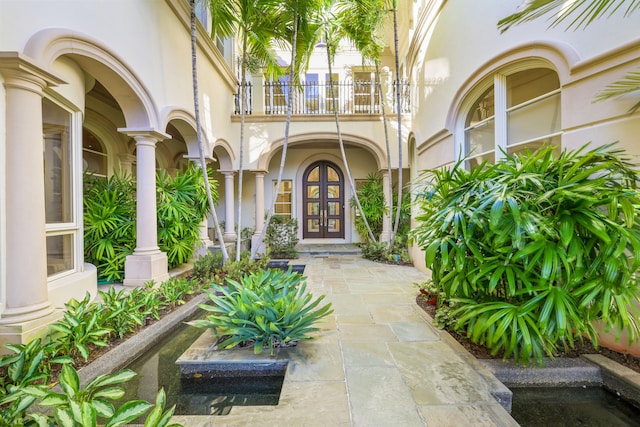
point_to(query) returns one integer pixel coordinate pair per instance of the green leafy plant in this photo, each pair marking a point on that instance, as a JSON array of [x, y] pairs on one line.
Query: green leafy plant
[[382, 252], [120, 313], [110, 218], [270, 308], [181, 205], [77, 406], [149, 302], [109, 223], [80, 328], [209, 269], [535, 248], [282, 237], [371, 196], [174, 290], [28, 365]]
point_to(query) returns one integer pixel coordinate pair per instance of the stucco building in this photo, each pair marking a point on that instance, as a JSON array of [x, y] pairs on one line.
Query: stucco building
[[106, 85]]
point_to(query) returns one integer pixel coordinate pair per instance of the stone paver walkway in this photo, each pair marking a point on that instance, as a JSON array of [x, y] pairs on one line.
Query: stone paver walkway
[[377, 361]]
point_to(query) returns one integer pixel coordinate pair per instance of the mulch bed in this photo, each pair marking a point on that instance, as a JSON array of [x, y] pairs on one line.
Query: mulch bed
[[585, 347]]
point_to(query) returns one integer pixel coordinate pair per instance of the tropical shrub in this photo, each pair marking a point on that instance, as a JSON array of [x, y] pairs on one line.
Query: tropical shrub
[[210, 269], [383, 252], [182, 205], [80, 329], [282, 237], [372, 200], [371, 196], [28, 365], [110, 218], [535, 248], [84, 407], [269, 308], [109, 223]]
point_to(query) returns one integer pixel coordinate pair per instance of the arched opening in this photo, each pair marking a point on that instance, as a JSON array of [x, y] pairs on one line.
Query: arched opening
[[323, 201]]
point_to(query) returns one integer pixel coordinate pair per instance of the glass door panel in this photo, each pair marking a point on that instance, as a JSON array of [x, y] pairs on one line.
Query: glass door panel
[[323, 192]]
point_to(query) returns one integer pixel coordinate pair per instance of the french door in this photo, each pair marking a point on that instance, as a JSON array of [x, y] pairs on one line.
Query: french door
[[323, 201]]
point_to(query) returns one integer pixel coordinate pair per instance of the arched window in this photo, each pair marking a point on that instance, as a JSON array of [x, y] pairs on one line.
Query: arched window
[[514, 111], [94, 157]]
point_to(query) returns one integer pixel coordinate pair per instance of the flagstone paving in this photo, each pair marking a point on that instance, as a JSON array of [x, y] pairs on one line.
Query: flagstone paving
[[377, 361]]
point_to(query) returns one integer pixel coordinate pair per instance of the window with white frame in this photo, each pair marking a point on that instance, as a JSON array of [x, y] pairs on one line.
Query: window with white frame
[[284, 200], [514, 112], [94, 157], [61, 184]]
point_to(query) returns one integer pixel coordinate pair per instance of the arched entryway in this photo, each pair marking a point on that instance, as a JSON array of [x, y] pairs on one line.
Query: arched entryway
[[323, 201]]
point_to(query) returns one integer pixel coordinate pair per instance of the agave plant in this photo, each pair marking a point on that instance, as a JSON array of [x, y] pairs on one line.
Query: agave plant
[[534, 249], [269, 308]]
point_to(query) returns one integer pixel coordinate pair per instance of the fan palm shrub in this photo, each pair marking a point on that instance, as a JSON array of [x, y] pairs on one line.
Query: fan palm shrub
[[374, 206], [182, 205], [110, 218], [109, 223], [535, 248]]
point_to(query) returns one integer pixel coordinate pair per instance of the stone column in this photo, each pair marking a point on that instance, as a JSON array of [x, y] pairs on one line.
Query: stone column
[[259, 208], [23, 251], [386, 83], [147, 261], [385, 236], [229, 218], [257, 93]]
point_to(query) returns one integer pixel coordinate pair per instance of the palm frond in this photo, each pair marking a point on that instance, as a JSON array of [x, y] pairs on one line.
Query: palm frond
[[579, 13], [629, 84]]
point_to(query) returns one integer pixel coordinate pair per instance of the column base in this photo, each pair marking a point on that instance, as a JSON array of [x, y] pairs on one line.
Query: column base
[[14, 331], [229, 236], [203, 248], [258, 244], [142, 268]]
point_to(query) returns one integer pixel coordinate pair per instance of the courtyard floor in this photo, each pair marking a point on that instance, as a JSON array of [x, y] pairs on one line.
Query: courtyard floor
[[377, 361]]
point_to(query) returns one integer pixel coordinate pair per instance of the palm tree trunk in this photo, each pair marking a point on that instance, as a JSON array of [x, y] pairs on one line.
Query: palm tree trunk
[[243, 108], [399, 112], [392, 234], [196, 112], [285, 144], [341, 143]]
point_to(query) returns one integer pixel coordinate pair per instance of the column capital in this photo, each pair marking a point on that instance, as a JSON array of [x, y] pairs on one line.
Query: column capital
[[143, 136], [127, 158], [196, 159], [20, 71], [227, 173], [260, 172]]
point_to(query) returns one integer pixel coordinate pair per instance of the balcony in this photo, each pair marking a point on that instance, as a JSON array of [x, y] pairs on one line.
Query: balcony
[[316, 98]]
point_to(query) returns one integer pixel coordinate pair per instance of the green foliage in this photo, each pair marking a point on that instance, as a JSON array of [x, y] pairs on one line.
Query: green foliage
[[119, 312], [110, 218], [534, 249], [174, 291], [371, 196], [282, 237], [382, 252], [80, 328], [182, 205], [270, 308], [109, 223], [74, 406], [27, 366], [209, 269]]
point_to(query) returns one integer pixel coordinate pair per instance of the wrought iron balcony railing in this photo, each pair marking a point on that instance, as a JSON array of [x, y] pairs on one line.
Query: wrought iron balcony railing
[[313, 97]]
